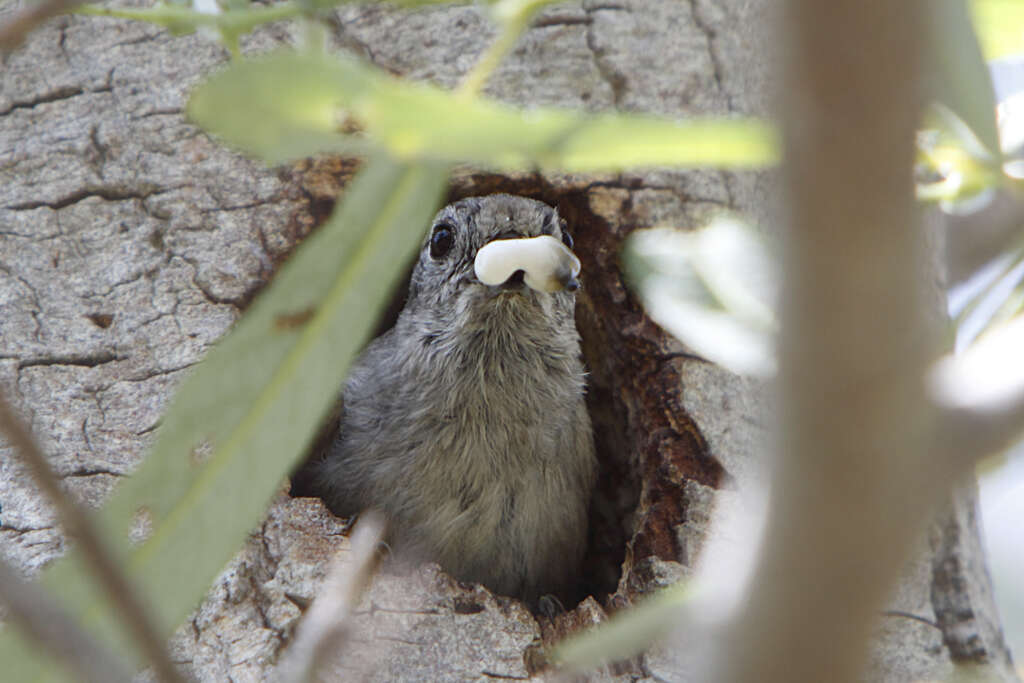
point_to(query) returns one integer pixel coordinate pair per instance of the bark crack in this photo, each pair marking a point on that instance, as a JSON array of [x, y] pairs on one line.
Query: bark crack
[[61, 93], [710, 36], [615, 79], [92, 472], [107, 193], [156, 373], [204, 289], [912, 616], [563, 20], [167, 111], [20, 531], [85, 361]]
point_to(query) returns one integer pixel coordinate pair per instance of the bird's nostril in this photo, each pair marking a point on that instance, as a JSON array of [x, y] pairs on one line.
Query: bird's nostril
[[517, 278]]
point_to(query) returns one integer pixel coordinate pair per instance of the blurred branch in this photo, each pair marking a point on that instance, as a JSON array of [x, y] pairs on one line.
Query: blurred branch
[[848, 494], [36, 615], [21, 21], [77, 522], [327, 625]]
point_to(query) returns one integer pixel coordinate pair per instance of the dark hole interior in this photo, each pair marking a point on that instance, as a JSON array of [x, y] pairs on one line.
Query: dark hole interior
[[617, 491]]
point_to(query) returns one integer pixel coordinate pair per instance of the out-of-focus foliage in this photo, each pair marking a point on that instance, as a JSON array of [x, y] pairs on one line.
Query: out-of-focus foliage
[[963, 144], [1000, 27], [991, 298], [287, 105], [626, 634], [957, 166], [960, 77], [713, 289], [989, 372]]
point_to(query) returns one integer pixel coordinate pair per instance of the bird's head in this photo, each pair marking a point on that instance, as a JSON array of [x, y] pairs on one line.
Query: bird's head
[[498, 262]]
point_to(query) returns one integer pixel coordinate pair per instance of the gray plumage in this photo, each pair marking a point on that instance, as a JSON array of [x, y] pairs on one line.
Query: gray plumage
[[465, 423]]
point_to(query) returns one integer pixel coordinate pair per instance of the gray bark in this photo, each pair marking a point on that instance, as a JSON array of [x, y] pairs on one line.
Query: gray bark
[[130, 241]]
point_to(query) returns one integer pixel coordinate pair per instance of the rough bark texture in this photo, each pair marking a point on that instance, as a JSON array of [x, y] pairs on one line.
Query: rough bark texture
[[130, 241]]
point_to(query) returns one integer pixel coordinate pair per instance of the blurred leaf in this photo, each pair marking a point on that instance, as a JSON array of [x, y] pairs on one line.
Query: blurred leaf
[[988, 376], [1000, 26], [1012, 306], [281, 108], [997, 299], [626, 634], [319, 102], [712, 289], [621, 141], [965, 173], [961, 78], [241, 420]]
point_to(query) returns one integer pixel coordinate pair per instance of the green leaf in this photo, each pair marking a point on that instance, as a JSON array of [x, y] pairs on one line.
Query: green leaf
[[620, 141], [245, 415], [961, 79], [1000, 26], [712, 289], [966, 173], [281, 108], [319, 102], [628, 633], [997, 300]]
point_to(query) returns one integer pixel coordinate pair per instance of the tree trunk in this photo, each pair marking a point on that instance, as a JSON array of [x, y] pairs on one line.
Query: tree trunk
[[130, 241]]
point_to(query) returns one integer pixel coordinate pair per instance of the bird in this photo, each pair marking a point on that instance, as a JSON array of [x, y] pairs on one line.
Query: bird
[[465, 424]]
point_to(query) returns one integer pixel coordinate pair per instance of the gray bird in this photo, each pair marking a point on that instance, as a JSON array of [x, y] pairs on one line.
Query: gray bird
[[465, 423]]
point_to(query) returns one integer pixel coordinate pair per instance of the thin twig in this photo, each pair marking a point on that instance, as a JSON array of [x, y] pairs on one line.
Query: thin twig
[[910, 615], [514, 17], [40, 618], [20, 22], [78, 524], [328, 623]]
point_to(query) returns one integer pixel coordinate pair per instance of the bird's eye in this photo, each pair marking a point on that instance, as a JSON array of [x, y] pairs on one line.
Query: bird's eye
[[442, 240]]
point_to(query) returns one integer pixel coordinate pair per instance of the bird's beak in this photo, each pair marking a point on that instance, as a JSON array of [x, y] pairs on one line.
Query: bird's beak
[[547, 264]]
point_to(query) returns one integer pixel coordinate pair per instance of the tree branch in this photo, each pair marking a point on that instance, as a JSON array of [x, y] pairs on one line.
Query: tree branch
[[328, 623], [78, 524], [847, 497], [40, 618]]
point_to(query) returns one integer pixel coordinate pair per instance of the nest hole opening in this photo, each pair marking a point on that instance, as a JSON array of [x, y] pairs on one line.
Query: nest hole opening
[[616, 494]]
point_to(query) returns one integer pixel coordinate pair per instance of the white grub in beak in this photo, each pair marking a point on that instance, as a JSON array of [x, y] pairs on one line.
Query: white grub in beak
[[547, 264]]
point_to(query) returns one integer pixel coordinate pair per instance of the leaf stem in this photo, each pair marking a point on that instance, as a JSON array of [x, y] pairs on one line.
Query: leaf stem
[[513, 17]]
